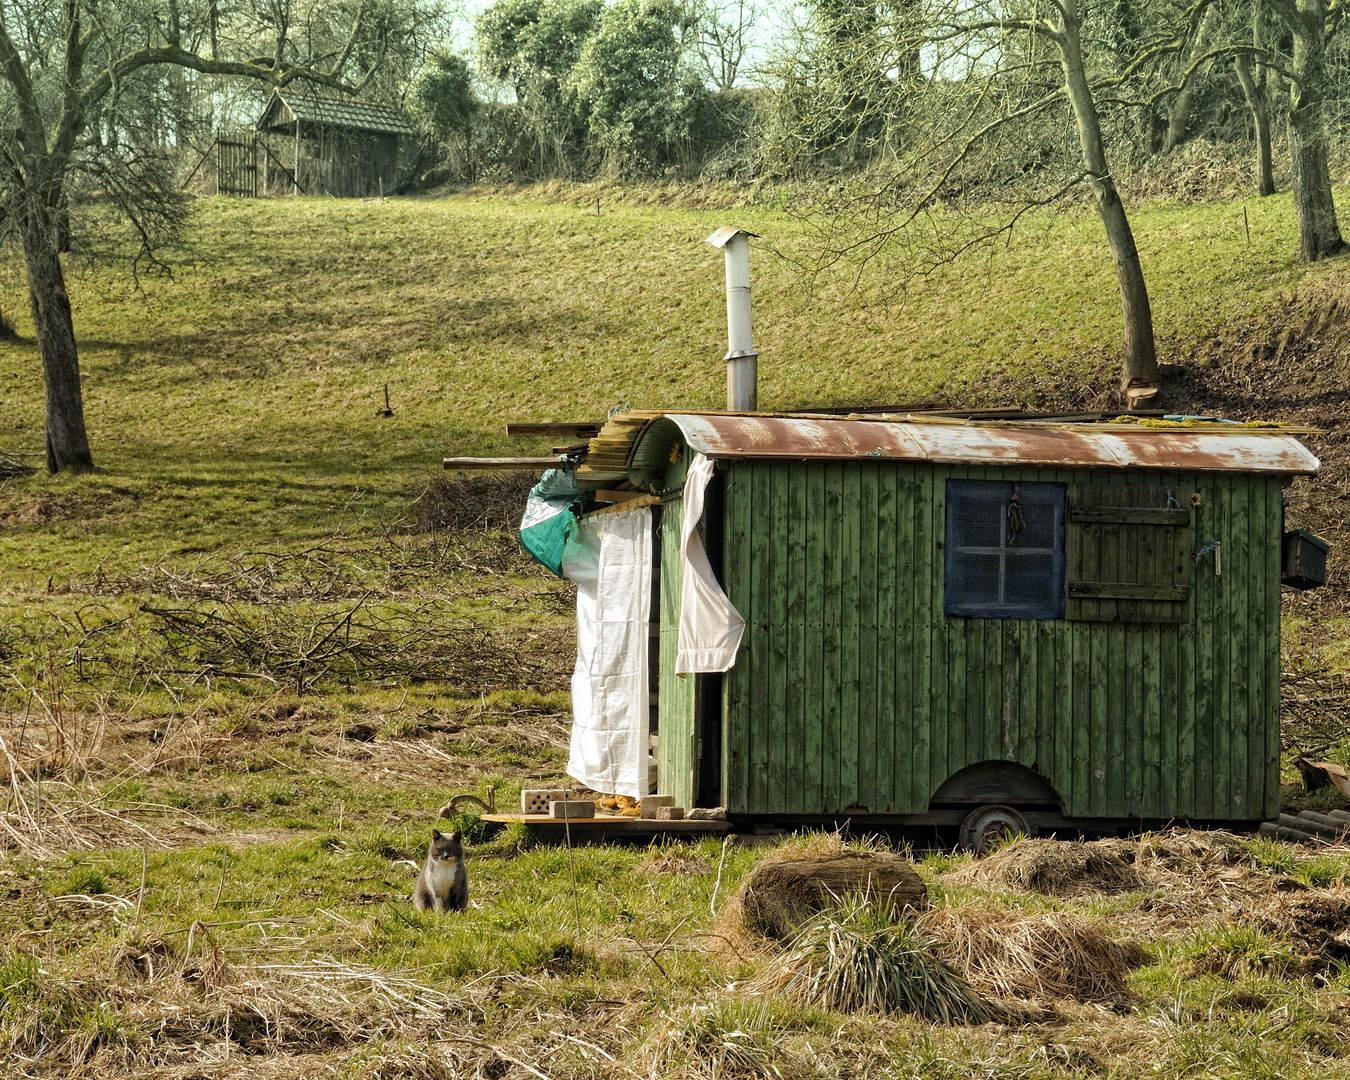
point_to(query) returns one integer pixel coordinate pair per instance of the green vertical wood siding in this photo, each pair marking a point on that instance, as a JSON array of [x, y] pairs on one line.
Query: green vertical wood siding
[[676, 710], [852, 691]]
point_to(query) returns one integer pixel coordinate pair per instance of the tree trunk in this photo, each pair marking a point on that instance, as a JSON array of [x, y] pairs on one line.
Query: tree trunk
[[1319, 234], [1179, 116], [1140, 367], [67, 442], [1258, 101]]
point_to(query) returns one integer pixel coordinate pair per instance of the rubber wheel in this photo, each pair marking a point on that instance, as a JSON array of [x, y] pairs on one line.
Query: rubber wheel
[[986, 825]]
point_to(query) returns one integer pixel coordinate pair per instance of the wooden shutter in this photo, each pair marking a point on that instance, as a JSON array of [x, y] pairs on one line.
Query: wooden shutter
[[1128, 554]]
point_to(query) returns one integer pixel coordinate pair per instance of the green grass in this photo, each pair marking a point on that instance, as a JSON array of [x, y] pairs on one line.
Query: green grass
[[235, 405], [233, 412]]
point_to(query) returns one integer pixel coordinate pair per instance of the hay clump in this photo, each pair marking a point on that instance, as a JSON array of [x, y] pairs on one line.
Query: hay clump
[[1056, 868], [1183, 850], [782, 895], [1038, 957], [857, 959]]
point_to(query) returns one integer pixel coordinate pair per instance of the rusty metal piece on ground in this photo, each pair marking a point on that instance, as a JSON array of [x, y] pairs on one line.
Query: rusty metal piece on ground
[[489, 804]]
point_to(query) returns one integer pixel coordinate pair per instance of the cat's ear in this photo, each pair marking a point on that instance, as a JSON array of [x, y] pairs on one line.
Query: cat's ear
[[435, 834], [455, 835]]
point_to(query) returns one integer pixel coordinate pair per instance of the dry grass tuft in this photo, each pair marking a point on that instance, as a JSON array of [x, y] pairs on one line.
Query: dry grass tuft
[[154, 1009], [1037, 957], [857, 959], [1176, 860], [705, 1043], [1056, 868], [1316, 924]]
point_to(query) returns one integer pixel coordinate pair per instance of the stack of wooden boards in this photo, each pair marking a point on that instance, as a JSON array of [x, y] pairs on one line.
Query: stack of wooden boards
[[1308, 825]]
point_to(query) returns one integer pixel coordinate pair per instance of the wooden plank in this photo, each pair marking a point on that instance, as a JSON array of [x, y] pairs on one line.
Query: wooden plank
[[910, 655], [928, 500], [765, 778], [814, 668], [852, 590], [1077, 793], [1041, 753], [506, 464], [1169, 707], [1150, 636], [949, 680], [581, 429], [1223, 627], [1120, 590], [1003, 672], [1107, 761], [1271, 600], [1187, 659], [801, 635], [867, 738], [832, 682], [1025, 727], [1129, 515], [1205, 690], [675, 719], [738, 509], [887, 718], [1237, 563], [1133, 720], [1260, 539], [776, 523]]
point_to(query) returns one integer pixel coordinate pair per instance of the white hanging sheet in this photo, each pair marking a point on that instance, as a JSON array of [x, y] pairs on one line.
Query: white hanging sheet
[[710, 627], [610, 559]]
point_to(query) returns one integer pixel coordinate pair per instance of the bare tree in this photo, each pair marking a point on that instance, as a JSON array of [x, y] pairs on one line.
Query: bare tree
[[1179, 115], [1253, 76], [1313, 24], [724, 30], [994, 85], [68, 68]]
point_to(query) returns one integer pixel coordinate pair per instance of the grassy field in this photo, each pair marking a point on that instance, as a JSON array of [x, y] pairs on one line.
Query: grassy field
[[237, 403], [246, 661]]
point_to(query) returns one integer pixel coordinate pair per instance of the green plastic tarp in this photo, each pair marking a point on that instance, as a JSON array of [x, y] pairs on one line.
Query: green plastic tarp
[[550, 517]]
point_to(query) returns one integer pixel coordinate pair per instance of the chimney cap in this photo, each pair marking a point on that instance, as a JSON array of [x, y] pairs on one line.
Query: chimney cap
[[726, 234]]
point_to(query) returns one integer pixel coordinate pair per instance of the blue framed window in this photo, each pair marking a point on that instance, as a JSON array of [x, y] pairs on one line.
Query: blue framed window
[[1005, 550]]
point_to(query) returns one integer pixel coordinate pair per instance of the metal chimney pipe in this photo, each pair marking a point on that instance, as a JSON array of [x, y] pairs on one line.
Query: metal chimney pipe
[[741, 358]]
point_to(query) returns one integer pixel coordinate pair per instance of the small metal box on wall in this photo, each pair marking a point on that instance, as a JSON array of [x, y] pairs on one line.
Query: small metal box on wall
[[1303, 563]]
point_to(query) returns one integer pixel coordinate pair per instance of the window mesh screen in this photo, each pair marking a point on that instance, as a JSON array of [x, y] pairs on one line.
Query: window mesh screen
[[1005, 550]]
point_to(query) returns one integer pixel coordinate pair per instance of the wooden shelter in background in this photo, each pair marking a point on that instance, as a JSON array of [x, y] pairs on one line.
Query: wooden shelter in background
[[311, 144]]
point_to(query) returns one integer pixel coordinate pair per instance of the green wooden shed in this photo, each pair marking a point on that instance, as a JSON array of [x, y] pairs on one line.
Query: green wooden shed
[[978, 625]]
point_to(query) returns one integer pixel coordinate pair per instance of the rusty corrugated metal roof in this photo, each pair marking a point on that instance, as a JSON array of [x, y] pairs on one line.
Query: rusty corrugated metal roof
[[336, 112], [728, 435]]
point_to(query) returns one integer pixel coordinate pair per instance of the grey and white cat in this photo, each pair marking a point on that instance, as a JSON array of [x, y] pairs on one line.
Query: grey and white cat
[[443, 884]]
